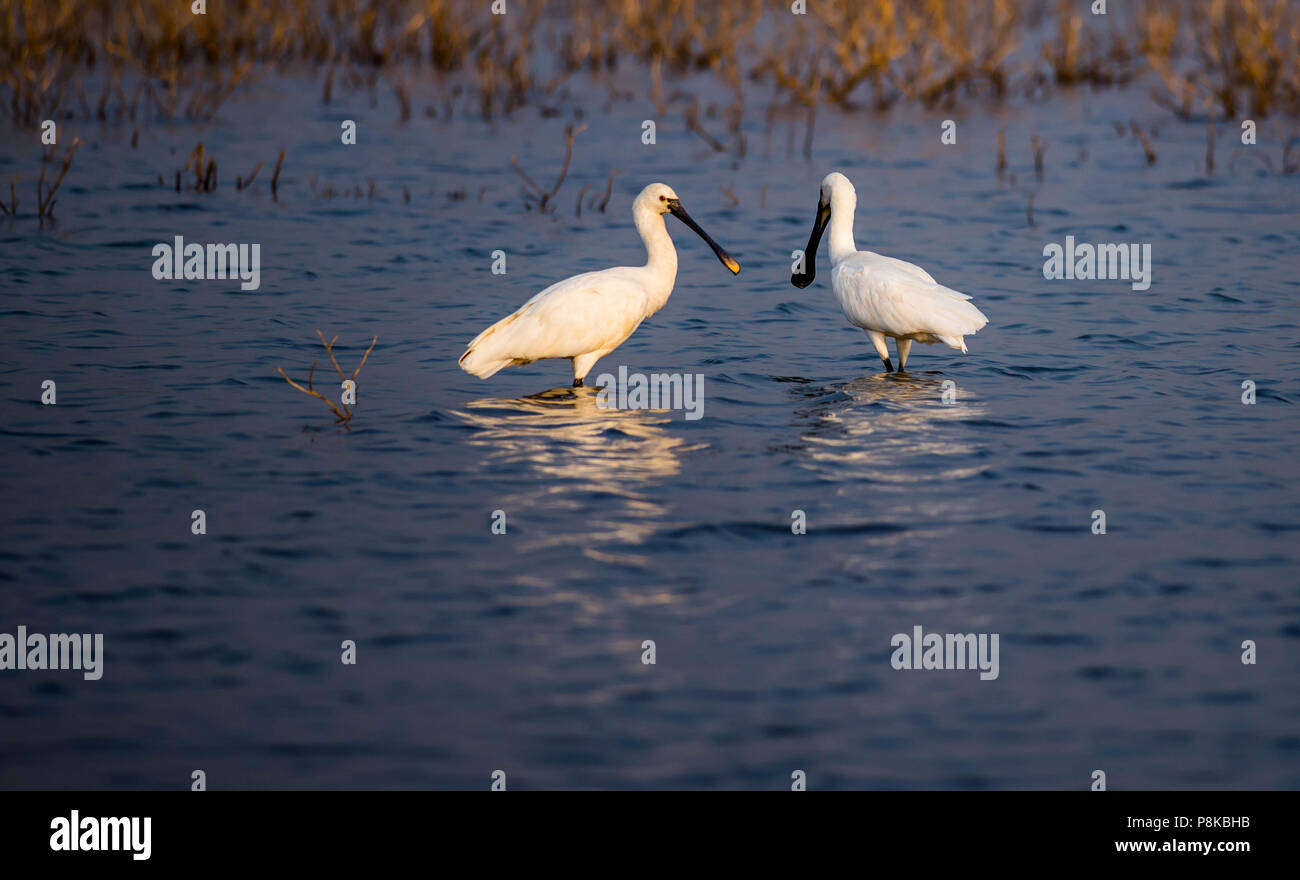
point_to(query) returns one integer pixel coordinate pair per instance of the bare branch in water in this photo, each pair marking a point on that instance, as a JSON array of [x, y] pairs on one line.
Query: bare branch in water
[[45, 207], [524, 174], [329, 349], [1287, 167], [543, 198], [275, 178], [692, 116], [1146, 143], [343, 415], [314, 393], [364, 356], [244, 184], [609, 189]]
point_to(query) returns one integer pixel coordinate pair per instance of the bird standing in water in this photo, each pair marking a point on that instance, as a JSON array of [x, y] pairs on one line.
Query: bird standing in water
[[882, 295], [585, 317]]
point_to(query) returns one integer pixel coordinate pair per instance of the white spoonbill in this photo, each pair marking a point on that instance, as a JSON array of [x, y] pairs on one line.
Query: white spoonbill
[[585, 317], [882, 295]]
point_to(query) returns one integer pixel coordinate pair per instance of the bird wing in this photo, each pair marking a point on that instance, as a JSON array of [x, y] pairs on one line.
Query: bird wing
[[594, 311], [898, 298], [902, 266]]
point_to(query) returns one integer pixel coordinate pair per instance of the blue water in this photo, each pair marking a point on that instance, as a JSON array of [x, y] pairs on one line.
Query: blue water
[[522, 652]]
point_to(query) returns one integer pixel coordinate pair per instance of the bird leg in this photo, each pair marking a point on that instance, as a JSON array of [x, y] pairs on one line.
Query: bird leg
[[878, 340], [904, 347], [582, 365]]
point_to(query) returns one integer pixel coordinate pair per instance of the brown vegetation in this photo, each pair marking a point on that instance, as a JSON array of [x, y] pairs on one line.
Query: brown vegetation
[[158, 59]]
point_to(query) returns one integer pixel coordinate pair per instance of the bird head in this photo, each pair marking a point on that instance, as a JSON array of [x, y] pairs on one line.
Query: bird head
[[660, 199]]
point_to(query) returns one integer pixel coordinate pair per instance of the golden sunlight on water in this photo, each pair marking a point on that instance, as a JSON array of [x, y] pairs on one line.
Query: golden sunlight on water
[[879, 439], [578, 451], [882, 419]]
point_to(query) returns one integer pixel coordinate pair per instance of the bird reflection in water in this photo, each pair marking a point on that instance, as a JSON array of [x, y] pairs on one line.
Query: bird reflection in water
[[896, 458], [890, 429], [572, 455]]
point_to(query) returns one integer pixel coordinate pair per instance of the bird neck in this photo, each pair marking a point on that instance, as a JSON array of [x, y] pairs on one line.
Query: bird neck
[[661, 256], [841, 241]]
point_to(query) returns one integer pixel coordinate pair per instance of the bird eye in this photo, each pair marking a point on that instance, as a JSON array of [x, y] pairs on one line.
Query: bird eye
[[663, 198]]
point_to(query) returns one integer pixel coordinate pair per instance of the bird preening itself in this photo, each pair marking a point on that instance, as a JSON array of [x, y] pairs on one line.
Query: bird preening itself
[[585, 317], [884, 296]]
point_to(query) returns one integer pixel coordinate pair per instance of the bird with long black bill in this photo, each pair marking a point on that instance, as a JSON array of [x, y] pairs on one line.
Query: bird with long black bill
[[585, 317], [886, 297]]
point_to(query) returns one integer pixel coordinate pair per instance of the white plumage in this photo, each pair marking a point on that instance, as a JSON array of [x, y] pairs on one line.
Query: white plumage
[[585, 317], [884, 296]]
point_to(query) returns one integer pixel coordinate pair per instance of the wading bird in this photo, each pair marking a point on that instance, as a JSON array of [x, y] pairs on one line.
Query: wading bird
[[585, 317], [882, 295]]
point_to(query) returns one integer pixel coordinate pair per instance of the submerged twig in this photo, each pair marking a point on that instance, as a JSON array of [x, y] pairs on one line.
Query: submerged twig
[[45, 203], [1287, 167], [692, 116], [609, 189], [1146, 144], [240, 183], [1209, 138], [543, 198], [343, 415], [314, 393], [275, 178]]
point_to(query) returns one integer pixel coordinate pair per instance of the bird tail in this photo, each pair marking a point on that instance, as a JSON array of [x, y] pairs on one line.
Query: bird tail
[[476, 364], [959, 317], [484, 356]]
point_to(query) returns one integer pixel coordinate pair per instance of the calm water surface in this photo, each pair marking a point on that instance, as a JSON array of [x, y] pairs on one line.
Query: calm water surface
[[522, 652]]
